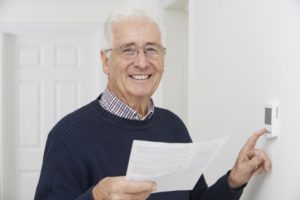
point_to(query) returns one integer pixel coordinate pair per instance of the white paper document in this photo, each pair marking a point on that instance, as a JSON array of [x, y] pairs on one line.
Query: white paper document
[[173, 166]]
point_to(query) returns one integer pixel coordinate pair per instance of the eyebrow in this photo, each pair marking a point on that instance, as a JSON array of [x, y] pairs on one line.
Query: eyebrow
[[152, 43], [127, 44]]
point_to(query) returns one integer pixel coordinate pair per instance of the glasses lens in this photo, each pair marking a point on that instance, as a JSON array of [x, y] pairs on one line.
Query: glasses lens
[[152, 51], [128, 51]]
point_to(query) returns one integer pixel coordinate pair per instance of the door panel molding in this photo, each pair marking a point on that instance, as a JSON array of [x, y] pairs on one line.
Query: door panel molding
[[95, 29]]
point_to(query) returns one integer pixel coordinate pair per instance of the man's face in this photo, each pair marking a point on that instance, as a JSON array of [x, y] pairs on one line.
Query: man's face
[[135, 78]]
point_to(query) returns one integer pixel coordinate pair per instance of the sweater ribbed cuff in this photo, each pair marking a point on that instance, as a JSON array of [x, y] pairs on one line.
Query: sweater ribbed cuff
[[88, 195]]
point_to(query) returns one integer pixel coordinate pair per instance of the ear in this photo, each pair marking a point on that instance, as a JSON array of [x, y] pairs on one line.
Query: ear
[[105, 62]]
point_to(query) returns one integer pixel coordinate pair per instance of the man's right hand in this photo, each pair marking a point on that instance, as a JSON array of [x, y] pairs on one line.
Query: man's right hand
[[113, 188]]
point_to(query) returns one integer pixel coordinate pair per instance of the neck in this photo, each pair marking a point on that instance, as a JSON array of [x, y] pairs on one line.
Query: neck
[[139, 104], [140, 107]]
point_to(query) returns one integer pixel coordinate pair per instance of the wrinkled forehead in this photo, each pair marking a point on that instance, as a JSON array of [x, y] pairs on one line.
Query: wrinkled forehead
[[139, 31]]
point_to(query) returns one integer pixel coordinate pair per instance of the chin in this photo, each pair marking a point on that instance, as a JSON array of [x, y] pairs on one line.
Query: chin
[[141, 94]]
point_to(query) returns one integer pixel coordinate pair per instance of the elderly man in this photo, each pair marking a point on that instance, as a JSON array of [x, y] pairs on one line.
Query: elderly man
[[87, 152]]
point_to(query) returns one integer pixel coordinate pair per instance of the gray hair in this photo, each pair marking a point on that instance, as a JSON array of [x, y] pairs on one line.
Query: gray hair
[[125, 14]]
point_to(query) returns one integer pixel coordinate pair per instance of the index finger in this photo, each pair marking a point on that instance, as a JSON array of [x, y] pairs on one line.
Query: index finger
[[132, 187], [251, 142]]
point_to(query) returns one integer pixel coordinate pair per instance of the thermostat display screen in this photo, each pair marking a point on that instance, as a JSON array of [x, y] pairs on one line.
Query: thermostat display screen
[[268, 116]]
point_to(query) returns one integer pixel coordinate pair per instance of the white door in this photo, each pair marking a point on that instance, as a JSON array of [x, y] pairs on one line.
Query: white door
[[47, 74]]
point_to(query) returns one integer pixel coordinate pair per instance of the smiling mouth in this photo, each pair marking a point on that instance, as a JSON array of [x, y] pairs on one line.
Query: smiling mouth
[[140, 77]]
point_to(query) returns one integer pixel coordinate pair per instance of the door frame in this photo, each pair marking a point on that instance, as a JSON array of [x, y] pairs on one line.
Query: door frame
[[99, 82]]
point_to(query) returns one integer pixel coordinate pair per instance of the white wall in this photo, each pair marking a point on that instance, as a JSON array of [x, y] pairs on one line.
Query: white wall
[[153, 6], [245, 54], [1, 115], [64, 11], [174, 84]]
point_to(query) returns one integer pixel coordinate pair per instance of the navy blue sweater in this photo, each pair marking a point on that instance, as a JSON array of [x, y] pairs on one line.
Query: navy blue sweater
[[91, 143]]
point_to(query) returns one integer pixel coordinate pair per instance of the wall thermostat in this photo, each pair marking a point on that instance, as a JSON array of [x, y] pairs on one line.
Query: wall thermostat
[[272, 120]]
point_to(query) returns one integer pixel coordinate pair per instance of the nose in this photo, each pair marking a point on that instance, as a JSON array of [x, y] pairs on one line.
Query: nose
[[141, 59]]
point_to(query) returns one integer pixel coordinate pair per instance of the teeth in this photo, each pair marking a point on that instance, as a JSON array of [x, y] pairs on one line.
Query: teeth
[[140, 77]]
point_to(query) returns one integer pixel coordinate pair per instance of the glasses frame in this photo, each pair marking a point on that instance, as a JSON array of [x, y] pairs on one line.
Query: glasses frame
[[119, 49]]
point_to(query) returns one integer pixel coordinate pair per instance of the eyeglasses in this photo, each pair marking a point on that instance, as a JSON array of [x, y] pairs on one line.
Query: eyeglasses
[[130, 51]]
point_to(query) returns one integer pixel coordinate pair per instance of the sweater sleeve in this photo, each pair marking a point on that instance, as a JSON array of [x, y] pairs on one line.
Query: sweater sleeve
[[64, 173], [218, 191]]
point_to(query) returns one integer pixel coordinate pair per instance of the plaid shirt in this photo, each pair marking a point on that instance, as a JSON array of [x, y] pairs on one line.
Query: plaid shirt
[[116, 106]]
